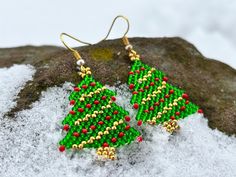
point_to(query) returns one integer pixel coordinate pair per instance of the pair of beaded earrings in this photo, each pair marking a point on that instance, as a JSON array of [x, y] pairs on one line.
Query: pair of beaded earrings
[[96, 121]]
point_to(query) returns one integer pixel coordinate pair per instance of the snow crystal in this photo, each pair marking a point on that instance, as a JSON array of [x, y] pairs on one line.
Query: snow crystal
[[12, 81], [29, 145]]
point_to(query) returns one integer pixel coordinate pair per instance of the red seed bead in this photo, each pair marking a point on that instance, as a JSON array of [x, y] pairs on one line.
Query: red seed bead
[[135, 92], [137, 71], [156, 79], [131, 72], [72, 102], [172, 117], [162, 100], [135, 105], [113, 140], [72, 112], [76, 89], [186, 102], [105, 145], [151, 108], [113, 98], [121, 134], [177, 113], [165, 78], [139, 139], [66, 127], [108, 117], [139, 123], [88, 106], [92, 127], [115, 112], [127, 127], [171, 91], [76, 134], [147, 87], [167, 96], [142, 68], [185, 96], [146, 111], [152, 84], [141, 90], [104, 97], [131, 86], [156, 104], [96, 102], [62, 148], [84, 86], [81, 110], [84, 130], [93, 84], [100, 122], [200, 111], [127, 118], [182, 108]]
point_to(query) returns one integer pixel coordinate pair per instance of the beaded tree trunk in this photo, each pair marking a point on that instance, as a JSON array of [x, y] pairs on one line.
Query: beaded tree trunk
[[157, 101], [95, 121]]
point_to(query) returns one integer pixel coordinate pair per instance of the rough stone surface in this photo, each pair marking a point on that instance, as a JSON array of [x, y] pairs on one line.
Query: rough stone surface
[[210, 84]]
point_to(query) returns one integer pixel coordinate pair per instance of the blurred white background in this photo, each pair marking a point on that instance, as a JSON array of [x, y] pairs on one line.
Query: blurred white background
[[209, 24]]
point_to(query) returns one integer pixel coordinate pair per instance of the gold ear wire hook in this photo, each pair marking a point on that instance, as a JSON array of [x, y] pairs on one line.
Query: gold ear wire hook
[[75, 52], [125, 39]]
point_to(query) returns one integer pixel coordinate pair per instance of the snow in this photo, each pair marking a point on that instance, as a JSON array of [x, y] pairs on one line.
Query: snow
[[209, 25], [12, 81], [29, 143]]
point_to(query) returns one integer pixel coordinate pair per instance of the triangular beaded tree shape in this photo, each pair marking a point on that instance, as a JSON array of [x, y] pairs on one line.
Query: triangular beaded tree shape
[[95, 121], [157, 101]]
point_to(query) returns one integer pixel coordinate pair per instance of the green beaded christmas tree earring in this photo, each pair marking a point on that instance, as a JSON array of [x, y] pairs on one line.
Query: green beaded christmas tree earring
[[156, 101], [95, 120]]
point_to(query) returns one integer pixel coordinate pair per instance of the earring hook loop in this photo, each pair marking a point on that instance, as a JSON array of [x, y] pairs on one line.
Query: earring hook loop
[[75, 52]]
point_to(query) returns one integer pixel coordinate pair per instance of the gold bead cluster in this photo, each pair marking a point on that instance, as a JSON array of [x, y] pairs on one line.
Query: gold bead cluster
[[99, 135], [171, 126], [90, 95], [165, 110], [149, 74], [133, 55], [94, 114], [154, 93], [107, 152], [84, 71]]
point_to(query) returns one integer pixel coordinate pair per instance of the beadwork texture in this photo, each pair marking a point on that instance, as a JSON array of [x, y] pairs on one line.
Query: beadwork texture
[[155, 99], [95, 121]]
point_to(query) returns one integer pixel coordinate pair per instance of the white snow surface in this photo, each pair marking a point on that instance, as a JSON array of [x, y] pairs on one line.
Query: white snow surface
[[12, 81], [29, 143]]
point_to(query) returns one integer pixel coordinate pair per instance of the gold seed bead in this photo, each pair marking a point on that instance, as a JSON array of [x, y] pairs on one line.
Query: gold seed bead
[[76, 122], [121, 121], [80, 146], [144, 79], [154, 95], [159, 116], [153, 69], [163, 82], [98, 137], [106, 132], [108, 128], [81, 99], [158, 91], [100, 149], [94, 115], [175, 104], [92, 138], [104, 88], [108, 106], [99, 153], [74, 146], [142, 102], [95, 112], [115, 123], [100, 133], [110, 102], [100, 112], [113, 128], [180, 98], [149, 75]]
